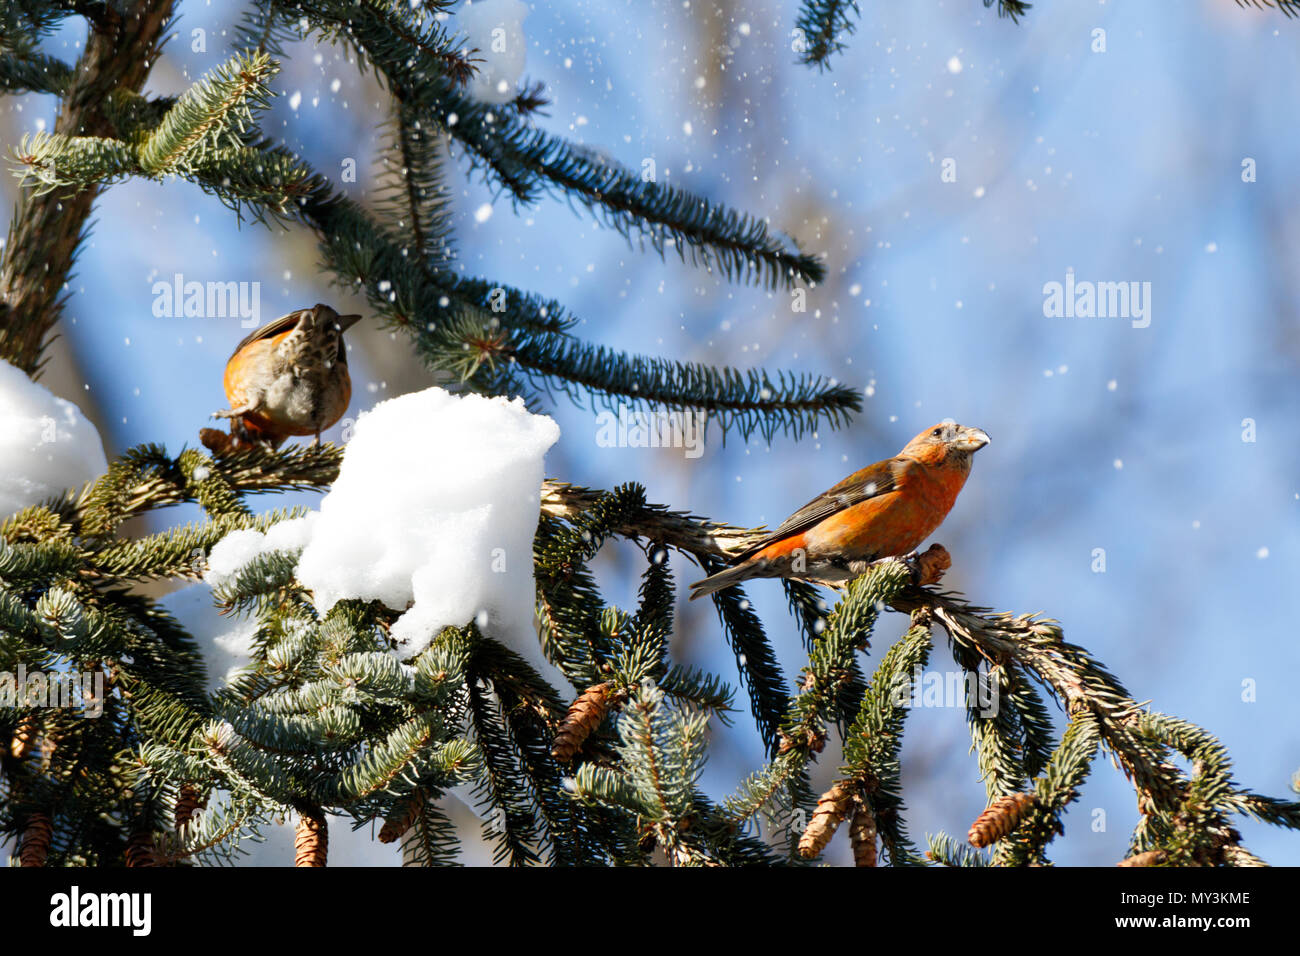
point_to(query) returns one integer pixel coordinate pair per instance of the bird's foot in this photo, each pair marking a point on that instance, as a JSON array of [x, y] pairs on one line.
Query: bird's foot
[[233, 412], [913, 562]]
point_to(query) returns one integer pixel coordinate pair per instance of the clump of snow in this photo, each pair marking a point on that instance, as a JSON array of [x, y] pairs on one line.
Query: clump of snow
[[226, 642], [496, 29], [46, 444], [238, 548], [433, 513]]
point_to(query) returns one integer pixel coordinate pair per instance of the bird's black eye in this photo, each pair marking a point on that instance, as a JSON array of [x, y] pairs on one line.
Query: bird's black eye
[[937, 432]]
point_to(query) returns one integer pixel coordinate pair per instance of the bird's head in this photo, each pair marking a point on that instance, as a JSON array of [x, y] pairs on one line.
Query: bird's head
[[324, 319], [324, 328], [946, 441]]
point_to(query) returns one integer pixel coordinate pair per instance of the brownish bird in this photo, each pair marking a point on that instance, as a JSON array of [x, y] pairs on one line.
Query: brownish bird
[[884, 510], [290, 377]]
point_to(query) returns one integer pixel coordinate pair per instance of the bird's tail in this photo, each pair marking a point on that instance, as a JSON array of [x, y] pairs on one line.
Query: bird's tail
[[723, 579]]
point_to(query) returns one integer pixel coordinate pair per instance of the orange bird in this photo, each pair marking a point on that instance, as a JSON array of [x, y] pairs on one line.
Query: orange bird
[[290, 377], [885, 510]]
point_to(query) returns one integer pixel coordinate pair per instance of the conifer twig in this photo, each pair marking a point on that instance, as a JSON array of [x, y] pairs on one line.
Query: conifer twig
[[48, 228]]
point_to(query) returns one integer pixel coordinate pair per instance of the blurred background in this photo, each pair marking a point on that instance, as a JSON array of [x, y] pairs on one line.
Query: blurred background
[[1124, 166]]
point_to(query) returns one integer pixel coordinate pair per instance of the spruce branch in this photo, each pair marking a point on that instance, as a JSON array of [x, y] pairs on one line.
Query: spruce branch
[[946, 851], [871, 749], [430, 840], [570, 834], [831, 660], [677, 529], [1288, 8], [1186, 818], [748, 401], [414, 197], [504, 786], [1039, 816], [47, 228], [662, 754], [528, 161], [821, 26], [31, 71], [211, 113], [502, 341], [1013, 9], [760, 671], [197, 130]]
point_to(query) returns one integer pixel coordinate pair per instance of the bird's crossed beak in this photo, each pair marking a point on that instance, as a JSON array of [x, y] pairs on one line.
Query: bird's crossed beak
[[328, 318], [971, 439]]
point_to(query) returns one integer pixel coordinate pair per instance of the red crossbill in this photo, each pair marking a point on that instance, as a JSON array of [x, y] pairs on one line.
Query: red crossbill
[[290, 377], [884, 510]]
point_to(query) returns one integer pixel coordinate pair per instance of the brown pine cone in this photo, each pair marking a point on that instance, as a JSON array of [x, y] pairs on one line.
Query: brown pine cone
[[862, 835], [188, 802], [999, 818], [933, 563], [35, 845], [311, 841], [140, 849], [831, 808], [216, 441], [401, 821], [584, 716]]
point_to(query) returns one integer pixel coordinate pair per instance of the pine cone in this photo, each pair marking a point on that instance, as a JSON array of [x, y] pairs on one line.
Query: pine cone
[[311, 841], [862, 835], [999, 818], [22, 739], [584, 716], [188, 802], [36, 840], [401, 821], [216, 441], [933, 563], [140, 849], [831, 808], [1149, 858]]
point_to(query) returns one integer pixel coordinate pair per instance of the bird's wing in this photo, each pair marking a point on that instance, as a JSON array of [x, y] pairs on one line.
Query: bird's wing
[[270, 330], [870, 482]]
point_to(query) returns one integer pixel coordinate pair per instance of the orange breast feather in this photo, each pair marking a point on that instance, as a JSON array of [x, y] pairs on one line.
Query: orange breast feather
[[247, 372]]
